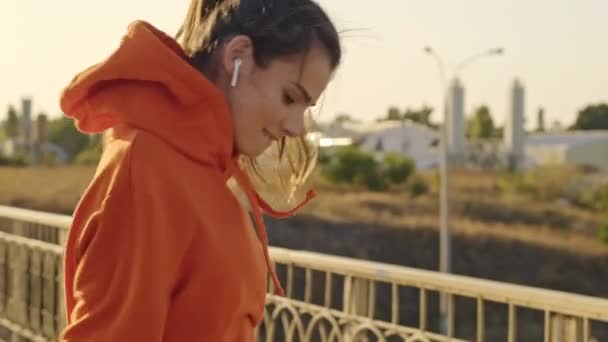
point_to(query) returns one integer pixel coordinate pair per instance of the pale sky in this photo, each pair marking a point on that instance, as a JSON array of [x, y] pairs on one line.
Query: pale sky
[[557, 48]]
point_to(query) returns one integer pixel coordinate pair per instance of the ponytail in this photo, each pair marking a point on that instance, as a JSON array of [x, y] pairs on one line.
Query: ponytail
[[196, 31]]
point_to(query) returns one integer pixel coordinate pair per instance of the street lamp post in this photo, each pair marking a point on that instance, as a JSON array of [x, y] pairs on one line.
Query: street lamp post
[[445, 245]]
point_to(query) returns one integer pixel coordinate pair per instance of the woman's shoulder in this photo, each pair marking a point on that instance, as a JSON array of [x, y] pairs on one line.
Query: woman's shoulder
[[139, 165], [154, 160]]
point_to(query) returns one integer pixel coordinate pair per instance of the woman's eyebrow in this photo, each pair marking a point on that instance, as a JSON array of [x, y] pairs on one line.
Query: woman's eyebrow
[[306, 94]]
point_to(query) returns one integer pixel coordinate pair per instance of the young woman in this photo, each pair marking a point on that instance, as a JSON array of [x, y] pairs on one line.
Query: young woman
[[160, 248]]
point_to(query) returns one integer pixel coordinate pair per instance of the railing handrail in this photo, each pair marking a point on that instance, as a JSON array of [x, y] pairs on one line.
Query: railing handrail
[[526, 296], [32, 244], [38, 217]]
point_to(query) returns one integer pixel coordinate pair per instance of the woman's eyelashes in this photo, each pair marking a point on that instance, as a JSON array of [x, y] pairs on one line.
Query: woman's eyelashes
[[288, 99]]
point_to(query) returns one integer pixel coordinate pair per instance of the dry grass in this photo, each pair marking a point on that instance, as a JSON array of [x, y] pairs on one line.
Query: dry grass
[[401, 212], [53, 189], [479, 207]]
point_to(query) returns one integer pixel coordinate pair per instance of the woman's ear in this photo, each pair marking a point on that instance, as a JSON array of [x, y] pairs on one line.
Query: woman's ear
[[240, 47]]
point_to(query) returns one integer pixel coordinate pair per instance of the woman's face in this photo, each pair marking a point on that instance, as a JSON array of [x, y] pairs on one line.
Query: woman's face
[[270, 103]]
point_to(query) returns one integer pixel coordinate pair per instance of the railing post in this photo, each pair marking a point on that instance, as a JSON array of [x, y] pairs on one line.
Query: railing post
[[35, 290], [15, 337], [3, 277], [357, 301], [61, 313], [359, 297], [62, 236], [19, 228], [566, 328], [18, 278], [17, 301], [49, 295]]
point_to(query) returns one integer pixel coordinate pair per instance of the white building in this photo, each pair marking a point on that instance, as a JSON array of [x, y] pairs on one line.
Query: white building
[[573, 147], [418, 142]]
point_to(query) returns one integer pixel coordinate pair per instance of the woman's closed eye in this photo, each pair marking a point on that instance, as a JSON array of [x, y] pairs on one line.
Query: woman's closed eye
[[288, 99]]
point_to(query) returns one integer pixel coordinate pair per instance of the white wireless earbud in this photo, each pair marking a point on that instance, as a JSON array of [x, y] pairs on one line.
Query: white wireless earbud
[[235, 72]]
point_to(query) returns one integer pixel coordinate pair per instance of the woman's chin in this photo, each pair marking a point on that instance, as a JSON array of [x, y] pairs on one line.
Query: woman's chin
[[254, 151]]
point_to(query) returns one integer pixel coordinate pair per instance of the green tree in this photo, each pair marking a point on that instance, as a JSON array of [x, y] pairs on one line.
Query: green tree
[[499, 132], [592, 117], [63, 133], [343, 118], [393, 114], [481, 125], [11, 125], [421, 116]]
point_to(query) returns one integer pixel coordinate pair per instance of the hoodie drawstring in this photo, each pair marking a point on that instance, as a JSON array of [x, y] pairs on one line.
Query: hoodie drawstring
[[284, 214], [245, 184]]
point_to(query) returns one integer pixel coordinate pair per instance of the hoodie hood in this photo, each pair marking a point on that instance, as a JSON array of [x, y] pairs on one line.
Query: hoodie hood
[[190, 113]]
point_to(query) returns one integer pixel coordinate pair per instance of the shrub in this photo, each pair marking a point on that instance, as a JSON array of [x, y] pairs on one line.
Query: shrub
[[89, 156], [603, 233], [353, 167], [350, 163], [373, 181], [417, 186], [396, 168], [542, 183], [17, 161]]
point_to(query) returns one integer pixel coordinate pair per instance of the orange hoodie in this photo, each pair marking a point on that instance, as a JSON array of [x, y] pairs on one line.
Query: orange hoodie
[[160, 249]]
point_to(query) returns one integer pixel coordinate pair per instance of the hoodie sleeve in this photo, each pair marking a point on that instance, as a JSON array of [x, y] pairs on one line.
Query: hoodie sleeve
[[127, 260]]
